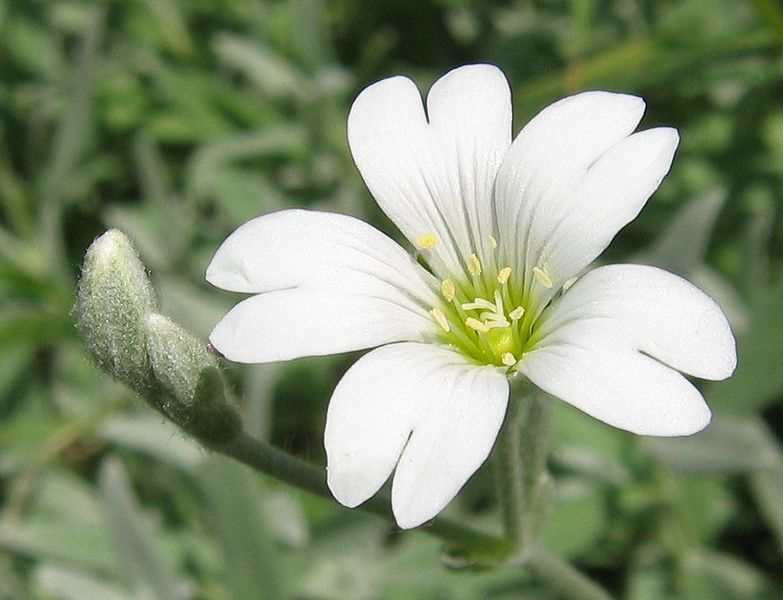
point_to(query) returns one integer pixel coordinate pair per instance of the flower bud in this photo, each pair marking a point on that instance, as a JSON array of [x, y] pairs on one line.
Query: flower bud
[[194, 393], [113, 298]]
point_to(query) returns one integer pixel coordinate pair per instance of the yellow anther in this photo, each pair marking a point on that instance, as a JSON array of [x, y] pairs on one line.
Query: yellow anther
[[543, 277], [516, 314], [474, 265], [440, 319], [428, 241], [504, 274], [508, 359], [448, 289], [476, 325], [493, 243]]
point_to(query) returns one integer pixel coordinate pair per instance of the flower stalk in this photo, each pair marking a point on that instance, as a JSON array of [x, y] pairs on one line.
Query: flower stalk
[[524, 486], [509, 475], [271, 461]]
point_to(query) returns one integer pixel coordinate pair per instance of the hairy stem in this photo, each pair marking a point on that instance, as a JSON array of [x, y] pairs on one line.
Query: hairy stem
[[269, 460], [519, 491], [510, 476], [522, 480], [536, 484]]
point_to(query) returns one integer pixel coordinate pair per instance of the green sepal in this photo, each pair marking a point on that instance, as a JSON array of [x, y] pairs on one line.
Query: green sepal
[[214, 421], [194, 392]]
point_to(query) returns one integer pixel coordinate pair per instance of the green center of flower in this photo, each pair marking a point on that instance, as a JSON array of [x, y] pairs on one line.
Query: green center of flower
[[484, 312]]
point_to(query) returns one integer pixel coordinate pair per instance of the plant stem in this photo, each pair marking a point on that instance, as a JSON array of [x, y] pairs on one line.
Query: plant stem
[[510, 476], [550, 569], [521, 469], [536, 484], [271, 461]]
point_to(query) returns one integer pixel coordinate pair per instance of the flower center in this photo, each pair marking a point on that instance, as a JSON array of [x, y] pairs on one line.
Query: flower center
[[483, 312]]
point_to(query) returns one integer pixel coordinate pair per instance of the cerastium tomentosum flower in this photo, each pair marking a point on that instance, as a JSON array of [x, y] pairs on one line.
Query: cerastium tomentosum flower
[[500, 230]]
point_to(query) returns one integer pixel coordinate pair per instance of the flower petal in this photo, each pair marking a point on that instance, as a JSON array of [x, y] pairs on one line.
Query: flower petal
[[287, 324], [451, 440], [372, 413], [610, 346], [435, 178], [573, 178], [613, 191], [453, 408], [620, 387], [470, 116], [318, 250], [645, 309]]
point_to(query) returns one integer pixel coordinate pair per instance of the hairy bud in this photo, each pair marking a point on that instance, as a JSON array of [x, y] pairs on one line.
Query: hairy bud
[[171, 369], [113, 298]]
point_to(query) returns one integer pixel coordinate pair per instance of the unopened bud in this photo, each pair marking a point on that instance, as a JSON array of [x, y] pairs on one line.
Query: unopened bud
[[195, 396], [113, 298]]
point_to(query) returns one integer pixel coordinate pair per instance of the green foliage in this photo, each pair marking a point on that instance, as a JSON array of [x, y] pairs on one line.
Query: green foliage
[[176, 121]]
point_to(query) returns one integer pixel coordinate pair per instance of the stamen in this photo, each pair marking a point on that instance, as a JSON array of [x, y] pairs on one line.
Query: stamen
[[517, 313], [427, 241], [499, 303], [493, 243], [493, 316], [474, 265], [478, 303], [497, 324], [504, 274], [543, 277], [508, 359], [440, 318], [448, 289], [476, 325]]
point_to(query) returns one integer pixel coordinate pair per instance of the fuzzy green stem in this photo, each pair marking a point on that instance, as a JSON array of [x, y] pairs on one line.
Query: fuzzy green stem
[[535, 448], [522, 480], [510, 476], [269, 460]]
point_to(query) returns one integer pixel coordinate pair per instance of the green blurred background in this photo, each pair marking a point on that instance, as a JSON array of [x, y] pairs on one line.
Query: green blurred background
[[178, 120]]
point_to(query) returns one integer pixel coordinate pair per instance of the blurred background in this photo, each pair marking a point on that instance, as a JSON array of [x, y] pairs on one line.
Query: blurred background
[[178, 120]]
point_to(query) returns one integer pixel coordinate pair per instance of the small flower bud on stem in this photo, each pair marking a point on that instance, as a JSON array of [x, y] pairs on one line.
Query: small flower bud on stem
[[171, 369], [113, 297]]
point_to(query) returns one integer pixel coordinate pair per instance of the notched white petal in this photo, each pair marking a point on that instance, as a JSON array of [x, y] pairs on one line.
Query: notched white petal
[[370, 417], [620, 387], [613, 344], [288, 324], [539, 197], [646, 309], [450, 442], [421, 408], [435, 177], [303, 248], [610, 195]]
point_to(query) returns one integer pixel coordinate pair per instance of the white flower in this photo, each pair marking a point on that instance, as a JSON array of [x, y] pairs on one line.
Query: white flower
[[501, 228]]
